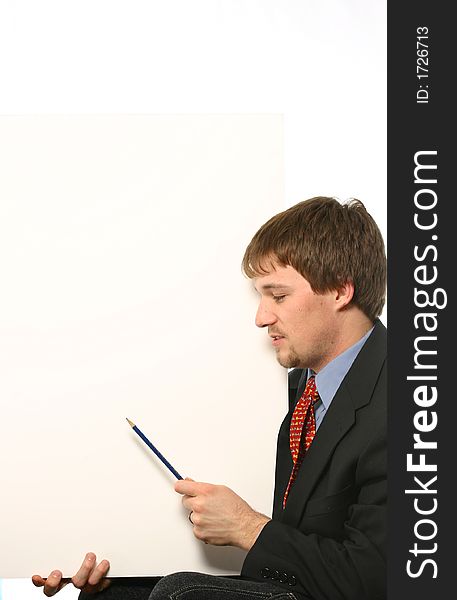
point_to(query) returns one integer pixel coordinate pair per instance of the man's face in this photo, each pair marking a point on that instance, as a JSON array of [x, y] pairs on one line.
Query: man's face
[[302, 324]]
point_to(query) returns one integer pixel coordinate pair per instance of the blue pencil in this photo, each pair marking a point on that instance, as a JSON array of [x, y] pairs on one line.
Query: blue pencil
[[154, 449]]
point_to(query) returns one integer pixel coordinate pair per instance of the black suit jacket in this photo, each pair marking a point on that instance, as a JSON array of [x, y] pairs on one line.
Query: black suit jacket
[[329, 542]]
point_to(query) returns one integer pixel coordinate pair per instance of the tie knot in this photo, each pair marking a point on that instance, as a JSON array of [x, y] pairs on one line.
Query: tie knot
[[311, 390]]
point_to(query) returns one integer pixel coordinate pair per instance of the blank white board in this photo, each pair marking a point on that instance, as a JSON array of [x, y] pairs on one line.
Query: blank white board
[[121, 239]]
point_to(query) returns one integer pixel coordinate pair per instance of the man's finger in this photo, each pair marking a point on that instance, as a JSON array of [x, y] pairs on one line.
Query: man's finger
[[93, 589], [99, 573], [53, 583], [188, 503], [188, 487], [38, 581], [80, 579]]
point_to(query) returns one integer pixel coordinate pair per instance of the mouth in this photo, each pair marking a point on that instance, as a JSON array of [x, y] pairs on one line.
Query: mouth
[[276, 340]]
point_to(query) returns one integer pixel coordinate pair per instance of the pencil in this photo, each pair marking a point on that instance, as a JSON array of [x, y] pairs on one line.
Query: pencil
[[154, 449]]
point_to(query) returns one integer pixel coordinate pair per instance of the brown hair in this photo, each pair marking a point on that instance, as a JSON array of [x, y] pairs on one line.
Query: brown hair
[[329, 244]]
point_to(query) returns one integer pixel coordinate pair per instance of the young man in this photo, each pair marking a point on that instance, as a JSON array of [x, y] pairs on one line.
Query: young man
[[320, 271]]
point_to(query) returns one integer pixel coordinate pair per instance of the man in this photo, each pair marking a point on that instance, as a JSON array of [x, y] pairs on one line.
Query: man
[[320, 271]]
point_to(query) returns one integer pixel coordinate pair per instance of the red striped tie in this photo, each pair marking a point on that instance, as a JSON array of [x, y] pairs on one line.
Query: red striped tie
[[302, 425]]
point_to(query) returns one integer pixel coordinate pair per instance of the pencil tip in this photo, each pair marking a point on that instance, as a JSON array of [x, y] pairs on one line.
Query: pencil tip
[[130, 422]]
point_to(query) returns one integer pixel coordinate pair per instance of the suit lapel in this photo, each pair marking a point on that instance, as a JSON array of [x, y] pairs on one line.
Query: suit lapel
[[354, 392], [337, 422]]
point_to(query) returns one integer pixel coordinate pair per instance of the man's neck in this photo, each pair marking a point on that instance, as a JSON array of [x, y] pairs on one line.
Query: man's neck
[[354, 324]]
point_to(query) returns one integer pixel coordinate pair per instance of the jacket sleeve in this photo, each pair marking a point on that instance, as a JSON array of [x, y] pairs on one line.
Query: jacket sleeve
[[322, 568]]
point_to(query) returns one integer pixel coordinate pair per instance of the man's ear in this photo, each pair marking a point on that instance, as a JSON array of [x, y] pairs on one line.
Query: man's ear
[[344, 294]]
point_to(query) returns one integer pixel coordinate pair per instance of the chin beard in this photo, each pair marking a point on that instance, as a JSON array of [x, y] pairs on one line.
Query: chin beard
[[291, 361]]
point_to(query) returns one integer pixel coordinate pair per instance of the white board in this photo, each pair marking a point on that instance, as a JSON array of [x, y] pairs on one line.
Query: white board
[[121, 296]]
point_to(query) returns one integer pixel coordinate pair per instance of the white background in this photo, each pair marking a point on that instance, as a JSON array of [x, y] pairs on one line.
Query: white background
[[122, 239], [322, 63]]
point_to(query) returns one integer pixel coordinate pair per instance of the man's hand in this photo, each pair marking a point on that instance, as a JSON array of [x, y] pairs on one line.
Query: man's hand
[[90, 578], [219, 516]]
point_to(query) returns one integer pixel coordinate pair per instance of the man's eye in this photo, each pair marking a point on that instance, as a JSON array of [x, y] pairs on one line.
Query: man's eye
[[279, 298]]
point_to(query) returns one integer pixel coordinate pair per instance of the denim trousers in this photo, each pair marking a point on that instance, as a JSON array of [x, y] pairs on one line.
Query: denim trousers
[[191, 586]]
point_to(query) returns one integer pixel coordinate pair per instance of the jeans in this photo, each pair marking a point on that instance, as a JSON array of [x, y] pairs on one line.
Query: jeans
[[191, 586]]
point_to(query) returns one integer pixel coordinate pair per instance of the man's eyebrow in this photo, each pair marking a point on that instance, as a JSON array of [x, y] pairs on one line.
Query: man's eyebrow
[[273, 286]]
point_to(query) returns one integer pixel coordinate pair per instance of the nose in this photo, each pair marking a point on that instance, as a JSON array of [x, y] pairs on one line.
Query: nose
[[264, 317]]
